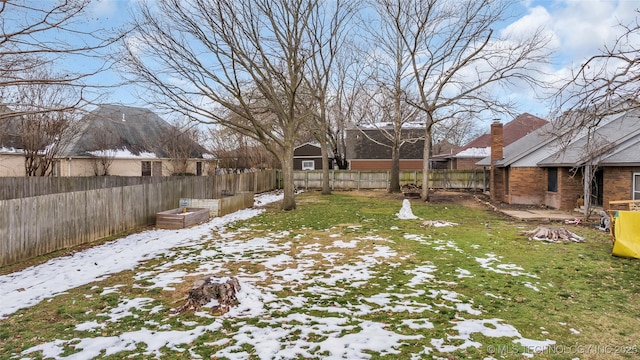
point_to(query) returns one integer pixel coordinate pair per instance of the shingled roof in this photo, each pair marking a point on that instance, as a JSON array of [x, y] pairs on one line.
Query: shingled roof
[[618, 135], [136, 130], [515, 129]]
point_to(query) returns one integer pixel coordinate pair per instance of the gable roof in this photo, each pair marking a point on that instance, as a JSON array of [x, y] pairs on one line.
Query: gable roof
[[137, 131], [616, 141], [515, 129], [619, 138]]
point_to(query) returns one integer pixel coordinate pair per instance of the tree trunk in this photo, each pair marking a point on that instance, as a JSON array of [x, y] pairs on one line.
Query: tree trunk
[[426, 154], [288, 186], [326, 187], [586, 184], [394, 181], [206, 289]]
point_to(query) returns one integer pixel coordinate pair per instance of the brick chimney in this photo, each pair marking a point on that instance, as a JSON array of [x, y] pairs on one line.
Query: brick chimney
[[496, 181], [497, 142]]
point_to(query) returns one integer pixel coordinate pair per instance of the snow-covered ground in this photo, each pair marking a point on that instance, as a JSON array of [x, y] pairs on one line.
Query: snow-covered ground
[[32, 285], [342, 331]]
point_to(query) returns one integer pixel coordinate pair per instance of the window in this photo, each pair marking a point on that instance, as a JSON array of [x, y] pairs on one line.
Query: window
[[146, 168], [636, 186], [199, 168], [308, 165], [552, 180]]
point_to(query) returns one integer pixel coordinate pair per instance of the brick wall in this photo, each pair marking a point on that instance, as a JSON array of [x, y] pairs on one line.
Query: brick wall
[[527, 185], [467, 164], [570, 188], [618, 184], [497, 176]]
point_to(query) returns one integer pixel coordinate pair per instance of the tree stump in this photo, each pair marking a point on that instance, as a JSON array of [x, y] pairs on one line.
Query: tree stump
[[207, 289], [553, 235]]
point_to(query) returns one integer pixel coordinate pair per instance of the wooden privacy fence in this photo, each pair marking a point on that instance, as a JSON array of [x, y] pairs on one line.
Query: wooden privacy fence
[[348, 179], [38, 225], [20, 187]]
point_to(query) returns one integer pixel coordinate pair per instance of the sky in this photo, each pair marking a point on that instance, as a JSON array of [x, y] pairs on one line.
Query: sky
[[340, 331], [578, 28]]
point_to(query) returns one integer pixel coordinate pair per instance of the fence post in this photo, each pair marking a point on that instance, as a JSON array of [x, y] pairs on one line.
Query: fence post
[[333, 178]]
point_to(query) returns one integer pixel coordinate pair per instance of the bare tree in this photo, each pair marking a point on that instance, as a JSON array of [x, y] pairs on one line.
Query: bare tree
[[348, 105], [104, 144], [239, 64], [31, 40], [44, 133], [181, 144], [328, 33], [602, 87], [238, 152], [457, 131], [388, 83], [458, 62]]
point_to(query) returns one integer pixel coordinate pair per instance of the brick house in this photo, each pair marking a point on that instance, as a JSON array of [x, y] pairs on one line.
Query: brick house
[[480, 147], [114, 140], [539, 169], [369, 149]]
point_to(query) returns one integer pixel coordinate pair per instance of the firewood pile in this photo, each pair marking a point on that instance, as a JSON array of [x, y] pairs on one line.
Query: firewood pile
[[555, 235], [411, 190], [207, 289]]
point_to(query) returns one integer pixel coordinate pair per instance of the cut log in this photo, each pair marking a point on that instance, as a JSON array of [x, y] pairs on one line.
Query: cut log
[[207, 289], [553, 235]]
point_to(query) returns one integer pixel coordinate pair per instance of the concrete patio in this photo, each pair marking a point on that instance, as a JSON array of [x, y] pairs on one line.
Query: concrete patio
[[542, 214]]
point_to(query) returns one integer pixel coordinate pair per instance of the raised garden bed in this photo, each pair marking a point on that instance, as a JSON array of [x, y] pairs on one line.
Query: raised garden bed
[[219, 207], [181, 218]]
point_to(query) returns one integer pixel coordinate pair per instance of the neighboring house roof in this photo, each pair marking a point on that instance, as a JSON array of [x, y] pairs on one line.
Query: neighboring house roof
[[523, 149], [615, 142], [370, 144], [444, 147], [125, 131], [619, 139], [10, 141], [443, 150], [308, 150], [515, 129]]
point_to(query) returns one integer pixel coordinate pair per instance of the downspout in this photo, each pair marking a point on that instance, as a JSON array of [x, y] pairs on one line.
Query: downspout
[[68, 166]]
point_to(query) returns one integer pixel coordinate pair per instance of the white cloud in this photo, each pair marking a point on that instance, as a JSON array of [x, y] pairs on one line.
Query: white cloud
[[584, 27], [104, 7]]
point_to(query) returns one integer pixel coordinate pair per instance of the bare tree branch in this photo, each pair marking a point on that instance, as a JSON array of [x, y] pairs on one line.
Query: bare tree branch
[[238, 64], [52, 35], [458, 61]]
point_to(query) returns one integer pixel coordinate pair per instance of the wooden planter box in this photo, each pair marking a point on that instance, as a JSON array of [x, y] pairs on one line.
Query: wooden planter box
[[177, 219], [223, 206]]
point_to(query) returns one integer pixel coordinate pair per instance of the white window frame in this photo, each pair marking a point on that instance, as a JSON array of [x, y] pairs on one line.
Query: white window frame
[[636, 191], [308, 165]]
